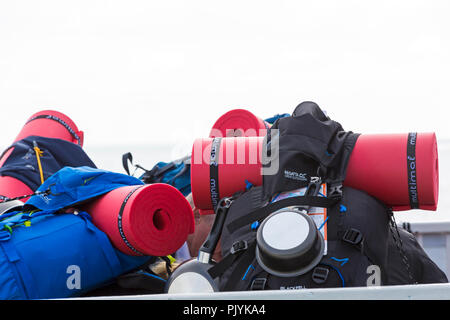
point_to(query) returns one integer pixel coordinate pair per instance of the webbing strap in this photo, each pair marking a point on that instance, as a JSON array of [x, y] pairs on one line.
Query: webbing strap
[[214, 172], [247, 258], [105, 245], [261, 213], [24, 278], [125, 158], [399, 244], [60, 121], [119, 222], [219, 268], [411, 169]]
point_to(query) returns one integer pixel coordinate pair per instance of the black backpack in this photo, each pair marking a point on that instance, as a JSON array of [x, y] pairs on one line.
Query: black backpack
[[357, 245], [363, 240], [364, 246], [408, 262]]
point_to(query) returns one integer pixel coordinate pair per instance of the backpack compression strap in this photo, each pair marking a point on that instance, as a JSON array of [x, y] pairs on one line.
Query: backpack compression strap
[[61, 122], [248, 254], [261, 213]]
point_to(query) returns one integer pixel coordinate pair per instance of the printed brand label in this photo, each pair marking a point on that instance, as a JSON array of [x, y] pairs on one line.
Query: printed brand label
[[214, 172], [411, 169], [295, 175]]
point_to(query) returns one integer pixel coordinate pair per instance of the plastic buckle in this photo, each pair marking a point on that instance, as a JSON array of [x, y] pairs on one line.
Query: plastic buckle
[[239, 246], [335, 191], [313, 186], [225, 203], [258, 284], [352, 236], [320, 275]]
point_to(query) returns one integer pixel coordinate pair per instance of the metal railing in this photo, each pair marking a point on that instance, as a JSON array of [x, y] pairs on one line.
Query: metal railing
[[439, 291]]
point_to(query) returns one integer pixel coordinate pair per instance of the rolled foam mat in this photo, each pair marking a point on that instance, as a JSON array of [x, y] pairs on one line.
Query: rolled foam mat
[[235, 161], [239, 123], [401, 170], [46, 123], [11, 188], [153, 219], [51, 124]]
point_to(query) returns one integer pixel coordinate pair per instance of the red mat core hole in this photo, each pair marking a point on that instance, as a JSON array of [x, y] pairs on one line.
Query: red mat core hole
[[161, 219]]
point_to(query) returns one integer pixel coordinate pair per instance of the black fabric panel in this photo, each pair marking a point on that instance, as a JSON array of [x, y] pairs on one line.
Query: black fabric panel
[[310, 144], [57, 153], [423, 269]]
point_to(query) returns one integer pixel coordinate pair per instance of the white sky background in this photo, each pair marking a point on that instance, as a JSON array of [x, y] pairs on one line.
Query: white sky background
[[146, 72]]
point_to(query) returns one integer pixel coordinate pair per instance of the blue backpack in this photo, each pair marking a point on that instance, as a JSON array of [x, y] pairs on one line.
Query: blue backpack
[[59, 255], [47, 252], [176, 173]]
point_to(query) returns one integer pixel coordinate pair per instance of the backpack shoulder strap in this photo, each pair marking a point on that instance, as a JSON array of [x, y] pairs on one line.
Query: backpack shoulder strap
[[247, 255]]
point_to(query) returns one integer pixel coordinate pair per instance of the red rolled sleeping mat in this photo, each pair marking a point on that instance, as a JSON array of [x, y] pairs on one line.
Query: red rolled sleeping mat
[[153, 219], [401, 170], [239, 123], [388, 167], [238, 162], [51, 124], [11, 188], [46, 123]]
